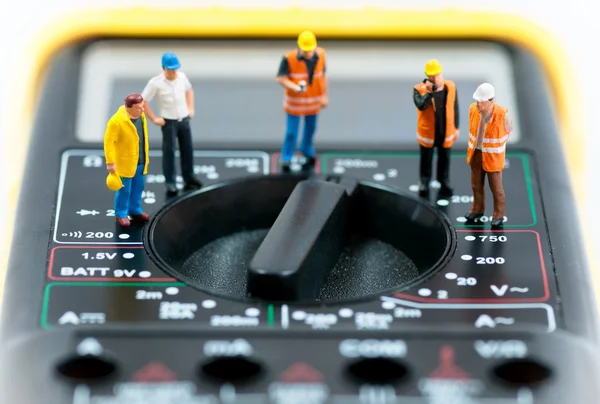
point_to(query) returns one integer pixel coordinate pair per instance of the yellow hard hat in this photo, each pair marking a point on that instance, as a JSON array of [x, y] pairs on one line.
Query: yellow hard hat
[[307, 41], [113, 182], [433, 67]]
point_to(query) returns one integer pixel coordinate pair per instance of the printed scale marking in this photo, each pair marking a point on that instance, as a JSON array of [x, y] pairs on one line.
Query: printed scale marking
[[92, 159]]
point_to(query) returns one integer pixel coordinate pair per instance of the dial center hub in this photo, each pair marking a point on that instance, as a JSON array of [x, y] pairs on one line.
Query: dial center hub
[[297, 238]]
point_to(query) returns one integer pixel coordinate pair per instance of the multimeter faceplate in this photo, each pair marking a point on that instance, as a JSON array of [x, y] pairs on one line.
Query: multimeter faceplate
[[170, 312]]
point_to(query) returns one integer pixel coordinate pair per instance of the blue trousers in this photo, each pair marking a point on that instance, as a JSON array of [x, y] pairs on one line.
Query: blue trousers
[[128, 200], [291, 137]]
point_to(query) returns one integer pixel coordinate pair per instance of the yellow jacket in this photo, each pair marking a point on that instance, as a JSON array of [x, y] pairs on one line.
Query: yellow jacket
[[121, 143]]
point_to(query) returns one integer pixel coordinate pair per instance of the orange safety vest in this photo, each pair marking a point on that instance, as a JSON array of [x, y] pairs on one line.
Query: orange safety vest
[[493, 147], [309, 102], [426, 118]]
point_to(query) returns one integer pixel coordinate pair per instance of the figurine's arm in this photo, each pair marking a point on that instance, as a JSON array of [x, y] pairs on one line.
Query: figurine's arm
[[421, 101], [456, 111], [111, 136], [325, 97], [189, 97], [148, 94], [508, 123], [282, 76]]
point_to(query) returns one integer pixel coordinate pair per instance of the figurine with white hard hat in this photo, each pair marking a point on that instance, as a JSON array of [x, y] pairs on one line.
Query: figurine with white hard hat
[[489, 129], [436, 100], [484, 92]]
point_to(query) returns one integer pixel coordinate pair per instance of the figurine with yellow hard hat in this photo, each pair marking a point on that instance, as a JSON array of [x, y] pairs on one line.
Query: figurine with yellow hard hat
[[126, 153], [302, 75], [437, 126]]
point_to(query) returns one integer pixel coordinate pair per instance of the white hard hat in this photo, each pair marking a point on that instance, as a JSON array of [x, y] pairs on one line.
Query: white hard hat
[[484, 92]]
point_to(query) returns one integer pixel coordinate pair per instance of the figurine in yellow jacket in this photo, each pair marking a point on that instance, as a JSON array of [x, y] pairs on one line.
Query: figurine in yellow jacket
[[126, 153]]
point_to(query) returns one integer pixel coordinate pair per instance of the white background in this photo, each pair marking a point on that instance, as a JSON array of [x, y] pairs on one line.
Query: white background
[[574, 23]]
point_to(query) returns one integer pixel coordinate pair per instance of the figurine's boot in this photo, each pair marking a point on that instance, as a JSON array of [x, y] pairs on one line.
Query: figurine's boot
[[123, 222], [171, 188], [495, 180], [285, 167], [472, 216], [142, 217], [309, 165], [424, 187], [446, 190], [192, 184]]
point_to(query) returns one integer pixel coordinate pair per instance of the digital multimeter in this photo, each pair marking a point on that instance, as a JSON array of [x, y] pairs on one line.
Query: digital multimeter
[[338, 286]]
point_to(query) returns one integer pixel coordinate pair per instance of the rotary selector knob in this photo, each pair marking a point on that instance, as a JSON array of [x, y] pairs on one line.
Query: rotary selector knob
[[300, 238]]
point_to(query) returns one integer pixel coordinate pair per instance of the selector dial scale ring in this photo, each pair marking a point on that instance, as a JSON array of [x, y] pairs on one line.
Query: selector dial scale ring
[[307, 239]]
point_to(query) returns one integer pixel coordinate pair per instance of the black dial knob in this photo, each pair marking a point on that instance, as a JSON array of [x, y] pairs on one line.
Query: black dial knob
[[300, 238]]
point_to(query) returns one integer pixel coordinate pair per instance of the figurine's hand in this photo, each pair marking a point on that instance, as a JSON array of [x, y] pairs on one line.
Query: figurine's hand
[[112, 168], [192, 113], [324, 102], [429, 86], [457, 133], [159, 121]]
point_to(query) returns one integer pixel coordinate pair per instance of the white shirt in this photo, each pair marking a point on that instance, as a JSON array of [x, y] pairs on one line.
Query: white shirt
[[483, 122], [170, 95]]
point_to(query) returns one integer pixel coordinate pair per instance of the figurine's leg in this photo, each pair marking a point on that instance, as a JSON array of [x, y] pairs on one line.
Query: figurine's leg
[[443, 170], [168, 158], [495, 181], [135, 197], [306, 147], [477, 184], [122, 197], [291, 138], [425, 168], [186, 150]]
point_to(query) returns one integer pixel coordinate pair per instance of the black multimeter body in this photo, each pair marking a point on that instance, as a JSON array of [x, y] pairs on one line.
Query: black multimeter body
[[510, 315]]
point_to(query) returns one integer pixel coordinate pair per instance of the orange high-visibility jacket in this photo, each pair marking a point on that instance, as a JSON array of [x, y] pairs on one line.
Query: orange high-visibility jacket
[[426, 118], [493, 148], [309, 102]]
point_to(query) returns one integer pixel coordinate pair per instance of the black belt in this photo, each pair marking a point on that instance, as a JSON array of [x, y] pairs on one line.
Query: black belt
[[176, 120]]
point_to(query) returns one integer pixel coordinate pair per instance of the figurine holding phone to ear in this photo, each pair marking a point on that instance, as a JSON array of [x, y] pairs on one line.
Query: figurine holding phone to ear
[[437, 126], [431, 87]]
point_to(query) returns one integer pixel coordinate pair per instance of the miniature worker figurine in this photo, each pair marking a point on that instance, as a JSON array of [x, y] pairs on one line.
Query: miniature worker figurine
[[489, 129], [126, 153], [437, 125], [302, 74], [175, 98]]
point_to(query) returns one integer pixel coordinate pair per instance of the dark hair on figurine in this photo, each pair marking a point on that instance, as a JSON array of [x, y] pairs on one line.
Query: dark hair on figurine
[[132, 99]]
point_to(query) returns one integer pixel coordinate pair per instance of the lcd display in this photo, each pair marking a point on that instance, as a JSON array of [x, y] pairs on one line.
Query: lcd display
[[239, 101]]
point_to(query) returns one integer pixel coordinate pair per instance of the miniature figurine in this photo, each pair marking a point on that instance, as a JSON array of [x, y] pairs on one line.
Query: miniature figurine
[[126, 154], [437, 125], [489, 130], [175, 97], [302, 74]]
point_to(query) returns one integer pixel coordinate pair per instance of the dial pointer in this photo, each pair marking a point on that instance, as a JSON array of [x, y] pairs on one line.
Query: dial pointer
[[303, 245]]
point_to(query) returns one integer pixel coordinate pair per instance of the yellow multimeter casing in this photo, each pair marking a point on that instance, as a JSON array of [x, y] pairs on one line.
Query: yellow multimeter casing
[[53, 163]]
